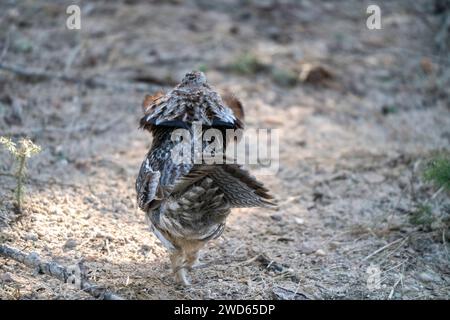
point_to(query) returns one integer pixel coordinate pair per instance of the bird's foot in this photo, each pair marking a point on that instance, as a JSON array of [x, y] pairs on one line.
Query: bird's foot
[[182, 278], [198, 265]]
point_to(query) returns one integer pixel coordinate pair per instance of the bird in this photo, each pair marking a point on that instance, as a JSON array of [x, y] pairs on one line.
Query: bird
[[186, 204]]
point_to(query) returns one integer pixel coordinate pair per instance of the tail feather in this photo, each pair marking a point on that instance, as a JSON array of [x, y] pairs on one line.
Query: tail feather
[[240, 188]]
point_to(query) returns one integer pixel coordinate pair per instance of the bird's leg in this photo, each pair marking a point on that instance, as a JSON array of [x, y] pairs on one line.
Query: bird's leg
[[179, 268], [192, 255], [192, 258]]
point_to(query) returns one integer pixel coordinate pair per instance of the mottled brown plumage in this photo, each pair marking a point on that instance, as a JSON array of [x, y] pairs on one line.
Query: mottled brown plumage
[[187, 204]]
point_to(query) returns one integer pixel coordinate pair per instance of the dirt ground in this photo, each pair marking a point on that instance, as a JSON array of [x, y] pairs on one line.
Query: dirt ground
[[353, 140]]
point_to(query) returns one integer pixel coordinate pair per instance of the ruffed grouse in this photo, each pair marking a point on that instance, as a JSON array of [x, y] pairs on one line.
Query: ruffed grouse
[[187, 203]]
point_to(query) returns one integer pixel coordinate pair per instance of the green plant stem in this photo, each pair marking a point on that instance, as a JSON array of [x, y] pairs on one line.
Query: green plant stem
[[20, 173]]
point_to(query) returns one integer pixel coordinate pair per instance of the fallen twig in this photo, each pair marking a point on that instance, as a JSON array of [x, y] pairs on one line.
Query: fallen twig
[[6, 46], [74, 130], [393, 251], [57, 271], [282, 293], [382, 248], [391, 294], [444, 242], [93, 81]]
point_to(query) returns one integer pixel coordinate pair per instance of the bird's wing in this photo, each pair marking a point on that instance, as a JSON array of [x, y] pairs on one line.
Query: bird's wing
[[149, 192], [197, 173], [241, 189], [150, 100], [180, 108], [234, 104], [157, 181]]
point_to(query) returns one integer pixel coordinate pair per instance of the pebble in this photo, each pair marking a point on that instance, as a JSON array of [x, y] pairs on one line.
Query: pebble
[[306, 248], [333, 245], [31, 237], [373, 178], [70, 244], [6, 277], [299, 221], [273, 120], [320, 252], [276, 217], [428, 277], [56, 210]]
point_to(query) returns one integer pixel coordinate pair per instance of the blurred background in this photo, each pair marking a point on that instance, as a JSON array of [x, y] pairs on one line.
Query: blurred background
[[361, 113]]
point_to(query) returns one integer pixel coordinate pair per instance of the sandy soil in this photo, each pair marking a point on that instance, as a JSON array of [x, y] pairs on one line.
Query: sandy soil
[[352, 145]]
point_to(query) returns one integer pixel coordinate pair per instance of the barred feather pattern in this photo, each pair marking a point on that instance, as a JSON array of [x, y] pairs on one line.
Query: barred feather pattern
[[187, 204], [190, 101]]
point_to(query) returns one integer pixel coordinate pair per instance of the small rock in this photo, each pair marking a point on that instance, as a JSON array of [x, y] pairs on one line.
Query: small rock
[[372, 177], [320, 252], [101, 235], [428, 277], [70, 244], [299, 221], [306, 248], [276, 217], [333, 245], [89, 199], [284, 239], [272, 120], [31, 237], [280, 293], [234, 29], [426, 65], [314, 73], [56, 210], [6, 277], [300, 143], [63, 162], [269, 264]]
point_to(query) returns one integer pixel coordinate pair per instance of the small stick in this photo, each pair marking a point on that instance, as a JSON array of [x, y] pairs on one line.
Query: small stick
[[57, 271], [391, 294], [437, 193], [382, 248], [444, 242], [6, 46], [94, 81], [296, 290], [236, 250], [74, 130], [393, 251]]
